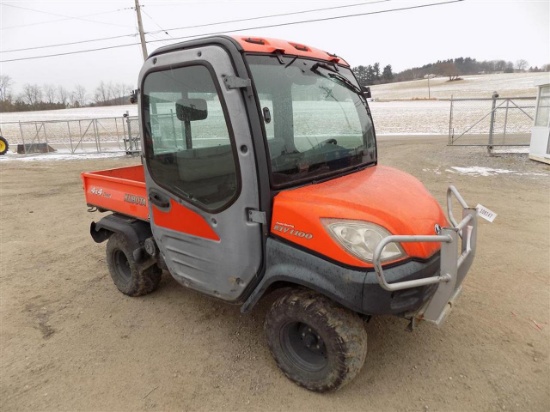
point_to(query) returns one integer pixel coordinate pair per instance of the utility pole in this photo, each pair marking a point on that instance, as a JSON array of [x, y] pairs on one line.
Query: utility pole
[[140, 28]]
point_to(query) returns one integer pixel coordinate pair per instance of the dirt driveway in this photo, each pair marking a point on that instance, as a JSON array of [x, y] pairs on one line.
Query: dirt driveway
[[70, 341]]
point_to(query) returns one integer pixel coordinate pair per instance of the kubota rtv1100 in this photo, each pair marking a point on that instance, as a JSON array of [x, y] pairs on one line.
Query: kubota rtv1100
[[259, 173]]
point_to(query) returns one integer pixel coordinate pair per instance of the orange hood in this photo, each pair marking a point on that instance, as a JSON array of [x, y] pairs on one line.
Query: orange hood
[[382, 195]]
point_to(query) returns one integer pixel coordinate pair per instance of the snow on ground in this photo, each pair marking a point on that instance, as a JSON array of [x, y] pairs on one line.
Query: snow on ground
[[81, 113], [71, 127], [43, 157], [514, 150], [410, 117], [475, 86], [417, 117], [476, 171]]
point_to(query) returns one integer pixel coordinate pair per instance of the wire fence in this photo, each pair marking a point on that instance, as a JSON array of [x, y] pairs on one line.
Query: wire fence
[[111, 134], [468, 122], [491, 122]]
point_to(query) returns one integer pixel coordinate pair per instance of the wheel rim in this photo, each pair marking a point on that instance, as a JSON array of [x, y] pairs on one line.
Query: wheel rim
[[122, 266], [2, 146], [304, 346]]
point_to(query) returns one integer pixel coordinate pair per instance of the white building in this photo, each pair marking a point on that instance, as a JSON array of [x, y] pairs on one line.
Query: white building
[[539, 148]]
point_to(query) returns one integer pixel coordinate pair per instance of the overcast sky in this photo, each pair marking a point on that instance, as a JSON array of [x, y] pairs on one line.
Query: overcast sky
[[481, 29]]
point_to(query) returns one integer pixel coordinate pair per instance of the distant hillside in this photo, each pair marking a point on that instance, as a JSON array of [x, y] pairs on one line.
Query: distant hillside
[[481, 85]]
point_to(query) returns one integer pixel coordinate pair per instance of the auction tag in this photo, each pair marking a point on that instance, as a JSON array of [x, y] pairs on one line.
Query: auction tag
[[485, 213]]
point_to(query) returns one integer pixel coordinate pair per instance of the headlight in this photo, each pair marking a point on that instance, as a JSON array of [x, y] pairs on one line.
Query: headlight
[[361, 238]]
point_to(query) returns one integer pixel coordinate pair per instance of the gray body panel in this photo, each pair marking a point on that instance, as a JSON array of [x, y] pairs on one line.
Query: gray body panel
[[217, 268], [354, 288]]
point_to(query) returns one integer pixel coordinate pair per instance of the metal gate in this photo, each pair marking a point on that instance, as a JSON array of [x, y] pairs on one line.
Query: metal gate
[[491, 122], [113, 134]]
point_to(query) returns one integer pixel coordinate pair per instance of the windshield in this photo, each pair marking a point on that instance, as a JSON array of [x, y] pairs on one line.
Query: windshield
[[316, 121]]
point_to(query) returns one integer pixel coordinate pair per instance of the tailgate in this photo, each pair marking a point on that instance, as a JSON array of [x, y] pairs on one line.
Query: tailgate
[[120, 190]]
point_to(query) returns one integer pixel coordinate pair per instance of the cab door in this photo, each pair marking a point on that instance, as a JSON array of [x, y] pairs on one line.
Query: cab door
[[200, 171]]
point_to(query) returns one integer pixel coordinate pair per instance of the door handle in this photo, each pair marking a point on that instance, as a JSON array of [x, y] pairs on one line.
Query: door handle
[[160, 200]]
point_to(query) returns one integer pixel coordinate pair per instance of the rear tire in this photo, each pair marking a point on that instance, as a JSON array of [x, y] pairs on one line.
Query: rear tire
[[318, 344], [4, 146], [128, 276]]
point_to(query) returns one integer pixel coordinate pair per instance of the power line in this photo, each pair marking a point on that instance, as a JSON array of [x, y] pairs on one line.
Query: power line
[[279, 15], [197, 26], [157, 37], [247, 28], [158, 25], [318, 19], [70, 44], [67, 53], [65, 17]]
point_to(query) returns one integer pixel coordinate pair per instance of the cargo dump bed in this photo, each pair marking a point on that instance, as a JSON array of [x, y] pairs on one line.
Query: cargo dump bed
[[119, 190]]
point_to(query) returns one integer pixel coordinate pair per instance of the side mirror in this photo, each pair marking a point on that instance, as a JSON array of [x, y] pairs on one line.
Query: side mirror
[[366, 92], [189, 110], [134, 96]]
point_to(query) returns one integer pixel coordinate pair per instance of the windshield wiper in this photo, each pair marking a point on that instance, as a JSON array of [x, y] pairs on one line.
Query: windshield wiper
[[325, 66], [345, 82], [291, 62], [335, 76]]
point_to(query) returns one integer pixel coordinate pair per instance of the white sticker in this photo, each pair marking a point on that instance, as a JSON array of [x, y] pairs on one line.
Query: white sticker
[[485, 213]]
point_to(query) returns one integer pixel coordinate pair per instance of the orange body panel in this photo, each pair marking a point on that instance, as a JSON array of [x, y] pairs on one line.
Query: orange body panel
[[120, 190], [267, 45], [184, 220], [123, 190], [385, 196]]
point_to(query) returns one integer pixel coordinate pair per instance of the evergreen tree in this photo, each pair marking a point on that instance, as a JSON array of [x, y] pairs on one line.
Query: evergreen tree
[[387, 74]]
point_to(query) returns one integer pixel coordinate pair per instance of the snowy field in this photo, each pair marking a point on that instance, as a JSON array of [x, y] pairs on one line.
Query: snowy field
[[69, 127], [397, 109], [69, 114], [476, 86]]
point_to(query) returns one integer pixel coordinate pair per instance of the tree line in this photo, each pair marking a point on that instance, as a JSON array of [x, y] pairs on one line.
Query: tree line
[[51, 97], [451, 68]]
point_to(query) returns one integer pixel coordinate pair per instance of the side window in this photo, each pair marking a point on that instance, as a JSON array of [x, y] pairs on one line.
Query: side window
[[188, 145]]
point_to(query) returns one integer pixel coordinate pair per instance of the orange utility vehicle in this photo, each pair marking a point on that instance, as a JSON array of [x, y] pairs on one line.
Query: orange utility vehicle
[[259, 173]]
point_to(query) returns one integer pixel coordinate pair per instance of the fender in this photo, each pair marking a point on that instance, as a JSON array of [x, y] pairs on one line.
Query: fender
[[136, 232], [354, 288], [288, 265]]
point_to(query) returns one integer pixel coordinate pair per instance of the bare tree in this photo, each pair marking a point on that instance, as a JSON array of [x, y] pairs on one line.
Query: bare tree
[[449, 69], [5, 87], [62, 95], [78, 96], [121, 93], [499, 65], [521, 65], [103, 93], [32, 93], [49, 92]]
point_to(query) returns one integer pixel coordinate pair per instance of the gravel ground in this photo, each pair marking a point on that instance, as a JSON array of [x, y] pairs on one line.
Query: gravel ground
[[70, 341]]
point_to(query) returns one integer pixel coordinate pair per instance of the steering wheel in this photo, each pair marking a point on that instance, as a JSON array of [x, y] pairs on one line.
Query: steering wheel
[[328, 141]]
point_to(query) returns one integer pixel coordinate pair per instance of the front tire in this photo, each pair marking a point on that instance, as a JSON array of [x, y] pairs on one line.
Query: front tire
[[318, 344], [128, 276]]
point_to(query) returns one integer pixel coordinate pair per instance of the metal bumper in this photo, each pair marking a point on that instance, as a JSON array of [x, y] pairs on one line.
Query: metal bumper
[[453, 265]]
